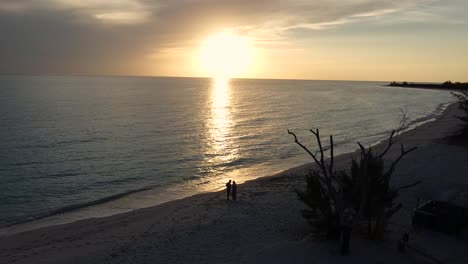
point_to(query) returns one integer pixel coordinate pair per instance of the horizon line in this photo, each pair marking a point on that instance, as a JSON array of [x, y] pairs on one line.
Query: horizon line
[[206, 77]]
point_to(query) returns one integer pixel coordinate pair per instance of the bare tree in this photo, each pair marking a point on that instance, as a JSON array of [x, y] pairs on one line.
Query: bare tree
[[323, 194], [367, 189], [373, 183]]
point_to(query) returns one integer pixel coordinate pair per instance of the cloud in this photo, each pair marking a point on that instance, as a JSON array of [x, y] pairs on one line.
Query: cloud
[[121, 36]]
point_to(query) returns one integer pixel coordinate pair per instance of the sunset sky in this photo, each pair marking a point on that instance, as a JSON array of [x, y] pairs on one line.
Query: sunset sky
[[413, 40]]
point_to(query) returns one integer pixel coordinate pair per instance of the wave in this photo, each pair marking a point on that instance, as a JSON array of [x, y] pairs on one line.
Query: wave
[[61, 143], [19, 164], [60, 175], [413, 123], [118, 181], [80, 141], [378, 137], [74, 207], [439, 110]]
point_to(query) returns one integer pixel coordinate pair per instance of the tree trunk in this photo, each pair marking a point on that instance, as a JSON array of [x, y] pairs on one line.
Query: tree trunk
[[345, 239], [380, 225]]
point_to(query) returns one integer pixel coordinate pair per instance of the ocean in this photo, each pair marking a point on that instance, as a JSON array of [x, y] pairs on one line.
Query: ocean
[[105, 145]]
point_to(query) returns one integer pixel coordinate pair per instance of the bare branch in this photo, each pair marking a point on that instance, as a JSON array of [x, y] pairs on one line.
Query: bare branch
[[316, 152], [319, 142], [390, 143], [304, 147], [396, 132], [316, 133], [332, 158], [395, 162], [404, 119], [409, 185], [363, 150], [393, 210]]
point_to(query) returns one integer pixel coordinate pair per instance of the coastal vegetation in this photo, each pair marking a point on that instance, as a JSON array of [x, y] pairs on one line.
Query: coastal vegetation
[[448, 85], [359, 198], [323, 194], [369, 191], [462, 98]]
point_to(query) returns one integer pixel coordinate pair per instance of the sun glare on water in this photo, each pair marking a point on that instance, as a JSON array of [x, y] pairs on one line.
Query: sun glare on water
[[224, 55]]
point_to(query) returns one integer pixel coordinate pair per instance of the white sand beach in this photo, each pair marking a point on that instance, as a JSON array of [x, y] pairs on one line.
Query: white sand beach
[[265, 224]]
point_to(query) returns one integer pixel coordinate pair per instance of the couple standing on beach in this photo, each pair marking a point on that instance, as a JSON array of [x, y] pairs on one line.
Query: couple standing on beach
[[231, 189]]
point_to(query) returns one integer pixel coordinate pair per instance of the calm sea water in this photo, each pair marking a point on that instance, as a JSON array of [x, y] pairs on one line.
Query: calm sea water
[[124, 143]]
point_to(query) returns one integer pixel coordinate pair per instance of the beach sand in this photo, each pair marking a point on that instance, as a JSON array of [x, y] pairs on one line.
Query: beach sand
[[264, 225]]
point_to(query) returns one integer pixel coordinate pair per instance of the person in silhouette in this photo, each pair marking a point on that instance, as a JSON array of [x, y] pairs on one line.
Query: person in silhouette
[[234, 190], [228, 189]]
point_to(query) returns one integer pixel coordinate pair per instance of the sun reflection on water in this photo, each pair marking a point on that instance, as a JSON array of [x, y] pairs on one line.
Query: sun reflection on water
[[222, 147], [220, 121]]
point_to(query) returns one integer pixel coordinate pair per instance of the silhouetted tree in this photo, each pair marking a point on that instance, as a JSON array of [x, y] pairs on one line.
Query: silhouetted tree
[[462, 97], [323, 193], [367, 189], [321, 215]]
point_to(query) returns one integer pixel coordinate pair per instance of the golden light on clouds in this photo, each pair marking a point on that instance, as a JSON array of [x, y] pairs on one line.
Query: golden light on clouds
[[122, 17], [358, 40], [225, 55]]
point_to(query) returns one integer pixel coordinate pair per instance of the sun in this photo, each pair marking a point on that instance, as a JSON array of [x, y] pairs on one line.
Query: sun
[[225, 55]]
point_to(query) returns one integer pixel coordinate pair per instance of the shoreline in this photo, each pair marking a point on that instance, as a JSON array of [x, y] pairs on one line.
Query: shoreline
[[88, 210], [263, 223]]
